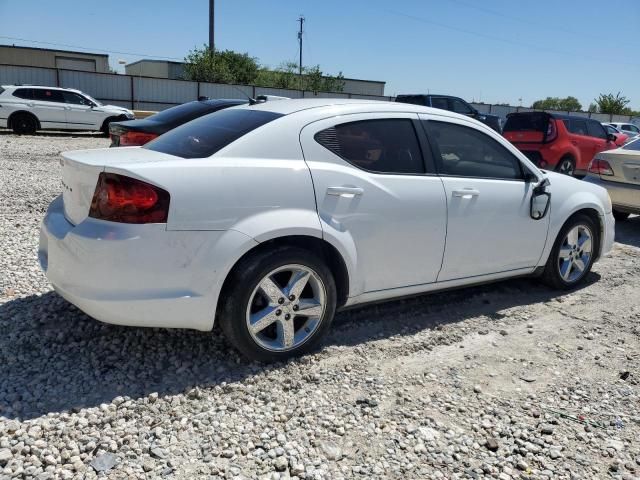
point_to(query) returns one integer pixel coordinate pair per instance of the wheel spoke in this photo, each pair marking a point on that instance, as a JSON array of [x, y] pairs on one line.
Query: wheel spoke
[[572, 237], [262, 319], [297, 283], [585, 243], [565, 252], [309, 308], [579, 263], [565, 269], [271, 290], [286, 333]]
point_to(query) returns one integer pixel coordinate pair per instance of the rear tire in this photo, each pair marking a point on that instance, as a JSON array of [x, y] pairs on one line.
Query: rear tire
[[265, 300], [573, 252], [566, 166], [620, 216], [24, 124]]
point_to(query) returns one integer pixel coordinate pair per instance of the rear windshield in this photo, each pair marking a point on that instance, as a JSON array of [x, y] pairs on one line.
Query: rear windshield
[[206, 135], [536, 122], [635, 145], [182, 113]]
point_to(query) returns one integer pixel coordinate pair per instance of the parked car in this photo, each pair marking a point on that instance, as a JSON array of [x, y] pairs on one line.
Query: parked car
[[621, 138], [619, 172], [268, 217], [452, 104], [139, 132], [627, 127], [557, 142], [27, 109]]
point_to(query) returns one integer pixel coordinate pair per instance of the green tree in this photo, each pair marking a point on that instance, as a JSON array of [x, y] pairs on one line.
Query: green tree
[[613, 104], [286, 75], [227, 66], [569, 104]]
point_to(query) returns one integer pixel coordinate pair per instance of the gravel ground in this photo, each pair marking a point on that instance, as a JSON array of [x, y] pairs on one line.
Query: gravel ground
[[511, 380]]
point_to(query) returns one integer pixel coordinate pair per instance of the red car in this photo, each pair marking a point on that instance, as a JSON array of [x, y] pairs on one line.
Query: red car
[[558, 142], [621, 138]]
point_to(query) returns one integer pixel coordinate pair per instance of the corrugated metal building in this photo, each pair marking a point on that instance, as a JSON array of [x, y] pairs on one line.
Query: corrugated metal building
[[48, 58], [175, 71]]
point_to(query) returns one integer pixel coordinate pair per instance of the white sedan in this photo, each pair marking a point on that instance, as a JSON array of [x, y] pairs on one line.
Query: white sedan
[[270, 217]]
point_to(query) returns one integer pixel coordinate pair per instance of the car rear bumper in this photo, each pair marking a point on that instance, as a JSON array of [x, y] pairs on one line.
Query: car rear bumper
[[625, 197], [137, 275]]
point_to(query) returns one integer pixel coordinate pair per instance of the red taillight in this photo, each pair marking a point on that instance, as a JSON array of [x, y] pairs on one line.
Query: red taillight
[[127, 200], [132, 139], [552, 131], [600, 167]]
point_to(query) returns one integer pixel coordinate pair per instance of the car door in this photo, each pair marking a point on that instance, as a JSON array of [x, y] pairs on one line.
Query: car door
[[376, 193], [579, 137], [599, 140], [489, 228], [48, 105], [80, 114]]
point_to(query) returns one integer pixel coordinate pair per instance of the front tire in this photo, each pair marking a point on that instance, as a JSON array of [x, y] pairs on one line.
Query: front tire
[[24, 124], [573, 252], [279, 304], [566, 166]]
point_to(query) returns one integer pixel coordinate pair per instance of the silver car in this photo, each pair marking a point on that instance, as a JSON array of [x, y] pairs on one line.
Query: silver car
[[619, 172]]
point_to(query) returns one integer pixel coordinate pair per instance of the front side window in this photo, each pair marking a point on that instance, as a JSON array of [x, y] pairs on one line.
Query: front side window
[[75, 99], [206, 135], [460, 107], [380, 146], [44, 95], [595, 130], [632, 128], [440, 102], [611, 130], [467, 152]]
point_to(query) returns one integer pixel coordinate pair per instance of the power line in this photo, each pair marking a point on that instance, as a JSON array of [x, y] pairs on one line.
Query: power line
[[510, 42], [92, 49]]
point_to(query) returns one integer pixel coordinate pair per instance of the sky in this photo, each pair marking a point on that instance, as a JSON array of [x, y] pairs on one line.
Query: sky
[[495, 51]]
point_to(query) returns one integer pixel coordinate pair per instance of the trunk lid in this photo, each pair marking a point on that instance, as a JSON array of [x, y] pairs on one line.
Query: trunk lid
[[80, 170], [625, 165]]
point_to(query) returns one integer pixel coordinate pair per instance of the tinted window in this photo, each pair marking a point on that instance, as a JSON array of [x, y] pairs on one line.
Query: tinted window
[[595, 129], [459, 106], [75, 99], [611, 130], [578, 127], [187, 111], [413, 99], [635, 145], [206, 135], [534, 122], [632, 128], [24, 93], [466, 152], [440, 102], [45, 95], [383, 146]]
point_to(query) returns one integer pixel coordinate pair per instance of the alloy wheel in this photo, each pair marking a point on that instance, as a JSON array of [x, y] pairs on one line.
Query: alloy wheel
[[286, 308], [575, 253], [566, 167]]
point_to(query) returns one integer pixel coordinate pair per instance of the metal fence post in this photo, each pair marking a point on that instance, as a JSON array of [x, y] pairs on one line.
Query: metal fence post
[[132, 105], [57, 77]]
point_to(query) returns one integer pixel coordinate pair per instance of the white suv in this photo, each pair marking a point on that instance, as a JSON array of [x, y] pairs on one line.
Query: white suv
[[26, 109]]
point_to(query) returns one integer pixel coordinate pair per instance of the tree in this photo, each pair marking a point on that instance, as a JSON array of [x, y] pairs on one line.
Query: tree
[[613, 104], [286, 75], [569, 104], [227, 66]]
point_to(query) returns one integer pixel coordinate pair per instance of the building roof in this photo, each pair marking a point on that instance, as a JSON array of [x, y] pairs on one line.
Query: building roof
[[56, 50]]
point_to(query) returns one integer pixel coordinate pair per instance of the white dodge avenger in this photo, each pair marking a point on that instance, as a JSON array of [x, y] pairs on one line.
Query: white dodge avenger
[[269, 217]]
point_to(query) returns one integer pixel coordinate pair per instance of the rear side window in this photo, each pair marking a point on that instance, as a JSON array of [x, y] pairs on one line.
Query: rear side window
[[467, 152], [206, 135], [440, 102], [26, 93], [380, 146], [595, 129], [412, 99], [45, 95], [577, 127], [535, 122]]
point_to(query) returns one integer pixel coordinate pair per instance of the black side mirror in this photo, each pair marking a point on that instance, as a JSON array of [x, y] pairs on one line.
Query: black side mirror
[[611, 137], [540, 200]]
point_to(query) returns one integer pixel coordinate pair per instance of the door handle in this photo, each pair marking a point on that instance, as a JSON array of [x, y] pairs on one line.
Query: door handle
[[466, 193], [338, 191]]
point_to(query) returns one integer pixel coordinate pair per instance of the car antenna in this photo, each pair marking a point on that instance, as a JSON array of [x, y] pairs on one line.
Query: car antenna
[[252, 101]]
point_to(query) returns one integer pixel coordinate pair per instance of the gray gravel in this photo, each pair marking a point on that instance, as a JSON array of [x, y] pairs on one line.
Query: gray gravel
[[506, 381]]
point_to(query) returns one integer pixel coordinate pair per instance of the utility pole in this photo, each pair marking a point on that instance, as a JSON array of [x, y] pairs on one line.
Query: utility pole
[[301, 20], [211, 16]]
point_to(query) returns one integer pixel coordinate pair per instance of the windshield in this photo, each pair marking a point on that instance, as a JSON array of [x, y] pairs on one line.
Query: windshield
[[206, 135], [635, 145], [182, 113]]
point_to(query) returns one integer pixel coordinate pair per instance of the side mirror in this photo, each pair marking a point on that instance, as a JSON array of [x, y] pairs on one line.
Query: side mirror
[[611, 137], [540, 200]]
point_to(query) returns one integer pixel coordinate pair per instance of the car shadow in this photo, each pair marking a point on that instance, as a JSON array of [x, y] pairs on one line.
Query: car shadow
[[628, 231], [54, 133], [54, 358]]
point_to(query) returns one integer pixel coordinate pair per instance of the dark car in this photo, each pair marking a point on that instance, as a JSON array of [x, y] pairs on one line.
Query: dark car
[[138, 132], [453, 104]]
